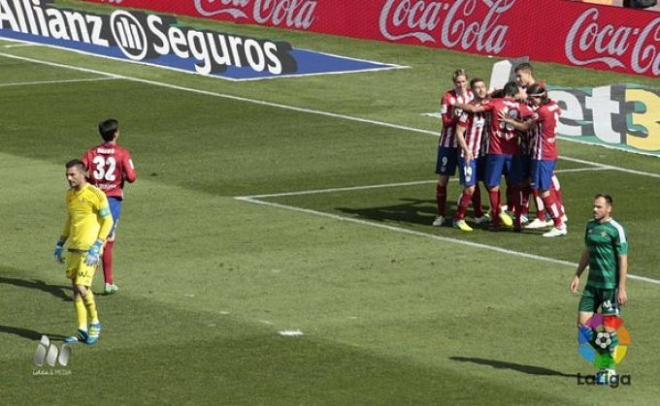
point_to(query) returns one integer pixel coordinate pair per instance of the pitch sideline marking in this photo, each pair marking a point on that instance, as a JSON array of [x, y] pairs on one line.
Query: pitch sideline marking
[[50, 82], [287, 107]]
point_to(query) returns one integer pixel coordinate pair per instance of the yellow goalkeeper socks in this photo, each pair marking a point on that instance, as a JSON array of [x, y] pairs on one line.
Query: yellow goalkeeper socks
[[81, 313], [90, 304]]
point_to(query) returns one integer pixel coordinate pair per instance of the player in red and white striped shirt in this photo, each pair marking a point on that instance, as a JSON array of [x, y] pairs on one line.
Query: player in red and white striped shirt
[[447, 149], [544, 152], [525, 78], [469, 134]]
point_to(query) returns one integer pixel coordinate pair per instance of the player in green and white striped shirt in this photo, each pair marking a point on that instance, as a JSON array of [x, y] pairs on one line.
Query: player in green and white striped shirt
[[606, 253]]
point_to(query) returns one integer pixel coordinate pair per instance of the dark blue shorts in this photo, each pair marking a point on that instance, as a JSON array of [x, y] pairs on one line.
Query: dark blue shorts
[[525, 167], [498, 165], [481, 168], [447, 161], [468, 174], [115, 209], [542, 172]]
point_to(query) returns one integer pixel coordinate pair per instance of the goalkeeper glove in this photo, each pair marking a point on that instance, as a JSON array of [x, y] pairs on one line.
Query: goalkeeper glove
[[94, 253], [59, 251]]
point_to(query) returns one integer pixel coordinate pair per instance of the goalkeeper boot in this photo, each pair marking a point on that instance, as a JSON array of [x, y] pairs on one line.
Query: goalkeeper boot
[[94, 334], [80, 337]]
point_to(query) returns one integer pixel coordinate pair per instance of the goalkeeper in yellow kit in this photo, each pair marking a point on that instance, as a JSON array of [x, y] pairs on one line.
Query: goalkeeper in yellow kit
[[87, 226]]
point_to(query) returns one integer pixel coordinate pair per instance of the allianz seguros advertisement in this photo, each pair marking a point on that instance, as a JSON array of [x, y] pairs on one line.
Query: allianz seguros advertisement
[[157, 40]]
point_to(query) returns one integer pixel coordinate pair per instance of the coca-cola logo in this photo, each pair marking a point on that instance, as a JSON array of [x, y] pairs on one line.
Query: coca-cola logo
[[466, 24], [589, 41], [298, 14]]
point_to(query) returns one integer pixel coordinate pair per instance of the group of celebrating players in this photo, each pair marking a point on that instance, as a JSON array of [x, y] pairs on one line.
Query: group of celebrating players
[[508, 133]]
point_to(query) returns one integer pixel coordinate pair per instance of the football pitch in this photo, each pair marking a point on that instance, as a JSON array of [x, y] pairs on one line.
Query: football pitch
[[277, 247]]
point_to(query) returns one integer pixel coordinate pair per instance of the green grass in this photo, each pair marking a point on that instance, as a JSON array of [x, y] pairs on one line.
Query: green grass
[[207, 281]]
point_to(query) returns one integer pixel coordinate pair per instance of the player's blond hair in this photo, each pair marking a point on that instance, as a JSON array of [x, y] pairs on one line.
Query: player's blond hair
[[459, 72]]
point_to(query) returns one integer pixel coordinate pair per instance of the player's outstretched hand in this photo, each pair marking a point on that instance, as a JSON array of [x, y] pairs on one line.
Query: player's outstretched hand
[[59, 252], [94, 253]]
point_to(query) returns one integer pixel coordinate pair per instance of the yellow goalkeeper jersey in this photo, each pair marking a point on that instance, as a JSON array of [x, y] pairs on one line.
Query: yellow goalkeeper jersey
[[88, 219]]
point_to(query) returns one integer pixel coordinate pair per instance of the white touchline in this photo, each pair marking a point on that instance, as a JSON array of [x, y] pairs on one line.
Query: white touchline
[[51, 82], [283, 106], [392, 185], [250, 199]]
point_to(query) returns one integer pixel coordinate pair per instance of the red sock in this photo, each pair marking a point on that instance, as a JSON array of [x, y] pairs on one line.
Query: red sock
[[441, 198], [107, 262], [556, 190], [555, 210], [463, 205], [495, 209], [540, 207], [476, 202]]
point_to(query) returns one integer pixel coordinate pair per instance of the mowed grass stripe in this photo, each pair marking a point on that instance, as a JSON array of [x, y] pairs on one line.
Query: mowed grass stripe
[[283, 106]]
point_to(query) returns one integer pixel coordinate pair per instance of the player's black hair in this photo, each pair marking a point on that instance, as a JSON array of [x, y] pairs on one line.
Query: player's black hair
[[497, 94], [475, 81], [526, 66], [607, 198], [538, 90], [75, 162], [510, 89], [108, 128]]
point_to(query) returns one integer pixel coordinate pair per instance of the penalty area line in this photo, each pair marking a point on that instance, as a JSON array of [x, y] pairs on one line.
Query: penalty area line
[[394, 185], [401, 230]]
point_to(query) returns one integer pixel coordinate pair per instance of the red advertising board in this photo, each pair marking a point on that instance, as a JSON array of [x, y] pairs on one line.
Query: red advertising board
[[560, 31]]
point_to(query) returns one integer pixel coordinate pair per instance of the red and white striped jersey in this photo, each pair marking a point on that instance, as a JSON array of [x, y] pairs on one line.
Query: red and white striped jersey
[[544, 143], [450, 116], [475, 126]]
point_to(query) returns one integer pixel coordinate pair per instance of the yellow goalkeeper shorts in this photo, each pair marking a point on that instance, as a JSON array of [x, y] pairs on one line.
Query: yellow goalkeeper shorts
[[77, 270]]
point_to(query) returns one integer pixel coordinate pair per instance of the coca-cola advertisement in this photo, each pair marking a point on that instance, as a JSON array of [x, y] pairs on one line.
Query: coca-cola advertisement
[[560, 31]]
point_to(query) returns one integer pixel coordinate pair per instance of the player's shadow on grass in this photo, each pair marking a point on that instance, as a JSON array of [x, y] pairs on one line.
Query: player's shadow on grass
[[526, 369], [57, 291], [29, 334], [415, 211]]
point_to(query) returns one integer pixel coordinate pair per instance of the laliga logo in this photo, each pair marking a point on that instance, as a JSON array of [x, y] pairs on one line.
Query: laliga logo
[[588, 36], [417, 19], [290, 13]]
